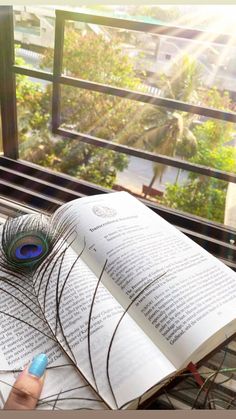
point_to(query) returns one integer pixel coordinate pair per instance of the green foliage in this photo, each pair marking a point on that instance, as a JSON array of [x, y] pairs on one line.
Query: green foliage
[[38, 147], [216, 99], [221, 157], [91, 163], [185, 81], [97, 114], [91, 57], [32, 105], [74, 158], [203, 198], [202, 195]]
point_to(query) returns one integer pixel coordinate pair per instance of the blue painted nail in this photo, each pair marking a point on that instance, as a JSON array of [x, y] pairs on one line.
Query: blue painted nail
[[38, 365]]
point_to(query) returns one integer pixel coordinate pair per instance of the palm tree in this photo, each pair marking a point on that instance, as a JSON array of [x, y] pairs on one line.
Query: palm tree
[[171, 137], [163, 131]]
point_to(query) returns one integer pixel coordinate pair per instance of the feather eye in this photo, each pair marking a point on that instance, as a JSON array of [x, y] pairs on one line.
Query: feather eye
[[27, 240]]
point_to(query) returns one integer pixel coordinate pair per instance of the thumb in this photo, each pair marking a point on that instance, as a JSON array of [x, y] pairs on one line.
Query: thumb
[[28, 386]]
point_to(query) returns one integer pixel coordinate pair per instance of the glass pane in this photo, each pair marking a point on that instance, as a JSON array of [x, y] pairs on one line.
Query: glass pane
[[172, 187], [190, 137], [34, 118], [202, 196], [198, 139], [167, 66], [38, 145], [34, 30]]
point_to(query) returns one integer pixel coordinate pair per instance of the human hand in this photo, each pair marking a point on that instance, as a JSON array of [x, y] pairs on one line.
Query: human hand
[[28, 386]]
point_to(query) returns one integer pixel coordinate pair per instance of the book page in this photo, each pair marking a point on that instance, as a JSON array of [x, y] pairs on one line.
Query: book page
[[195, 295], [24, 333], [50, 312]]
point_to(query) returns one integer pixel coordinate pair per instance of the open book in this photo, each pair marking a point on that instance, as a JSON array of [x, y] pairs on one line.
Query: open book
[[121, 303]]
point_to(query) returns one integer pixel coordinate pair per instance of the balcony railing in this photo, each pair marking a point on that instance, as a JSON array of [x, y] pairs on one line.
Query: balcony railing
[[46, 190]]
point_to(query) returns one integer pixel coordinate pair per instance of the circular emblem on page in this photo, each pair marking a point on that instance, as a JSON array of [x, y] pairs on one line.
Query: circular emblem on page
[[104, 212]]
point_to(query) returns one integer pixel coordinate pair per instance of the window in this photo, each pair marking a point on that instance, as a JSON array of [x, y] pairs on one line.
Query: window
[[92, 119]]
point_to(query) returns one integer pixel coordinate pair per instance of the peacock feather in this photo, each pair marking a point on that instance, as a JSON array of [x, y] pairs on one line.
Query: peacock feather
[[26, 241]]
